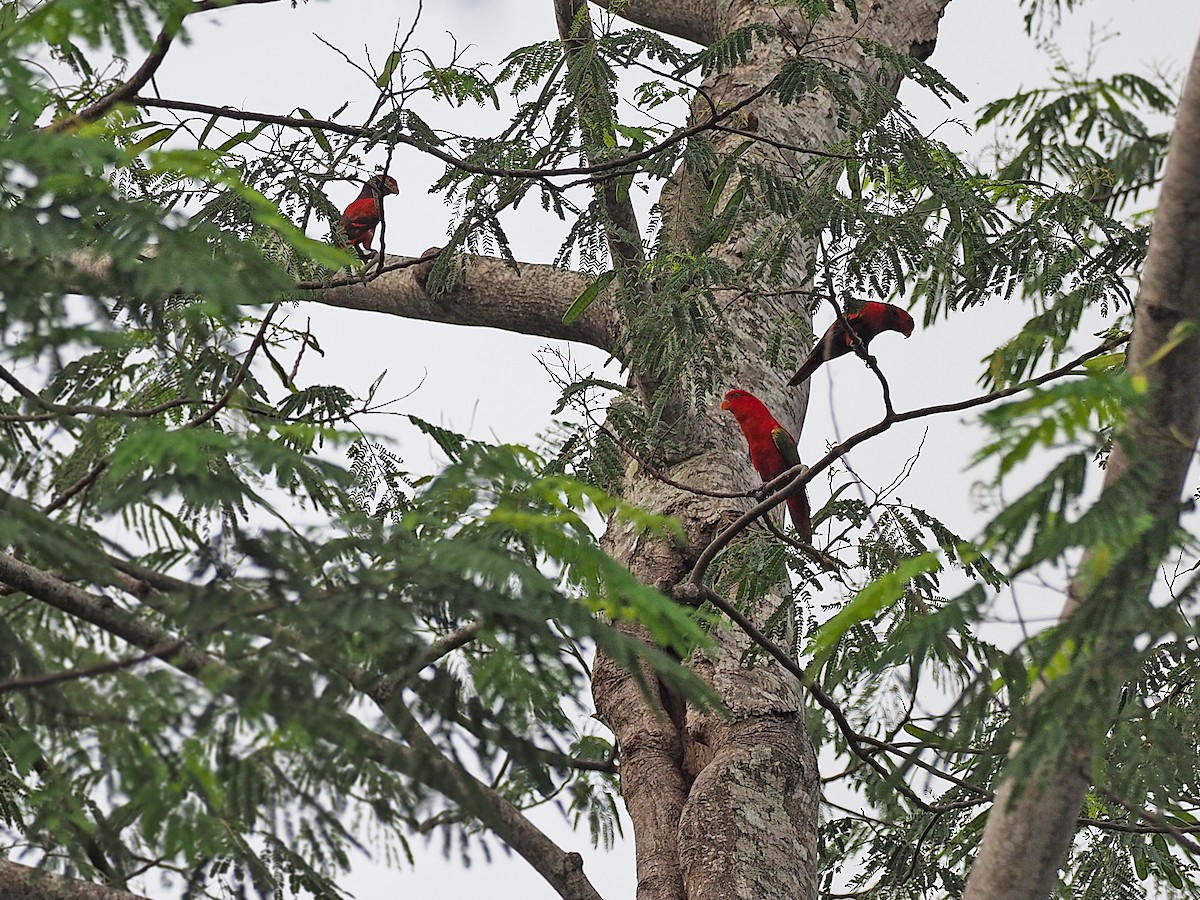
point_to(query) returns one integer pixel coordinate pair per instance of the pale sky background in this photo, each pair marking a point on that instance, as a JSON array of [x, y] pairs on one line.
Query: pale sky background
[[490, 385]]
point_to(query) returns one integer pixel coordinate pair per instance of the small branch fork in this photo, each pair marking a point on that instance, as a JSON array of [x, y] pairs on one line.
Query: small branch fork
[[783, 487], [867, 748]]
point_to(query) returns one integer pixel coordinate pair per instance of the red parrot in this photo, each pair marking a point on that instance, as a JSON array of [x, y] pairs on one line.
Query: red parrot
[[867, 321], [772, 451], [360, 218]]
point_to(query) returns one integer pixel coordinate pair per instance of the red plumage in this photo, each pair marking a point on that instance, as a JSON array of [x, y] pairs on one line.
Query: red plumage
[[772, 451], [867, 321], [362, 216]]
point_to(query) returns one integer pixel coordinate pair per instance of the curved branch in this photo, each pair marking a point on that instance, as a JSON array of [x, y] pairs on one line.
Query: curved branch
[[140, 78], [617, 165], [786, 484], [31, 682], [491, 294]]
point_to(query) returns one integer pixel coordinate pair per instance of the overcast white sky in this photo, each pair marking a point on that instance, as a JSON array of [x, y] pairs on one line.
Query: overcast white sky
[[490, 385]]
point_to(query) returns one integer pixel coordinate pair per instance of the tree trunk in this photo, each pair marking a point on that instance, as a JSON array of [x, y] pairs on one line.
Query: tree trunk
[[1025, 842], [721, 807]]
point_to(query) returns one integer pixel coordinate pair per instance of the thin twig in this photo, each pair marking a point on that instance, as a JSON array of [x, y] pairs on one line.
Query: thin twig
[[789, 481], [98, 469], [36, 681], [607, 167], [855, 741], [86, 409]]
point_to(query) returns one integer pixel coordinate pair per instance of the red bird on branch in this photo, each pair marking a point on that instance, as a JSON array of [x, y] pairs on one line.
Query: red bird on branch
[[772, 451], [362, 216], [867, 321]]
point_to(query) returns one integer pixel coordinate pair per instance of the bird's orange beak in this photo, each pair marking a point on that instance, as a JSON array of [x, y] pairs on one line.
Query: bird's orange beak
[[724, 404]]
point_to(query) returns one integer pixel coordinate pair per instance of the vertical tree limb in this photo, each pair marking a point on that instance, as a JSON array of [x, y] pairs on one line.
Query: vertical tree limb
[[688, 779], [1025, 842]]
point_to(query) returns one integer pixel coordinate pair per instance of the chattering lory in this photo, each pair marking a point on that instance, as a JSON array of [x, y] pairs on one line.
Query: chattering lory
[[362, 216], [772, 451], [867, 321]]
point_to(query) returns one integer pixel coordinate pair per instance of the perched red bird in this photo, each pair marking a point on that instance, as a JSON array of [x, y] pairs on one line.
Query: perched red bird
[[772, 451], [362, 216], [867, 321]]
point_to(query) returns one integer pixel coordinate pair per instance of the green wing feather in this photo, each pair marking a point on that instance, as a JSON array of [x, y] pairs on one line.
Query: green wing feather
[[786, 445]]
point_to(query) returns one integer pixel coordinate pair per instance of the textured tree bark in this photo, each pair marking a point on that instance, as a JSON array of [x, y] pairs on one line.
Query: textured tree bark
[[489, 293], [19, 882], [721, 808], [1024, 843], [727, 808]]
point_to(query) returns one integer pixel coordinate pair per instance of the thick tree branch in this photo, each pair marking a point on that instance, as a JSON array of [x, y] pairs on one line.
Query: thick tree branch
[[1025, 841], [695, 21], [491, 295], [18, 882], [488, 293]]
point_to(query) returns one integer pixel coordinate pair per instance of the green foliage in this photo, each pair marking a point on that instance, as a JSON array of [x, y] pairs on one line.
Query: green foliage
[[1089, 133], [338, 611], [870, 601], [330, 638]]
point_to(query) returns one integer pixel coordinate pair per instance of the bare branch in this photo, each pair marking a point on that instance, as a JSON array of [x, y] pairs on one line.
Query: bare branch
[[383, 688], [529, 301], [621, 224], [783, 486], [140, 78]]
